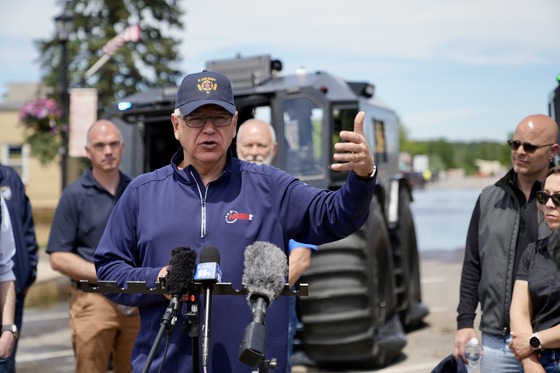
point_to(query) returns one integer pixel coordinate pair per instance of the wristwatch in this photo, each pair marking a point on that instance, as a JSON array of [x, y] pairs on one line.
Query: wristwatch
[[370, 176], [535, 342], [10, 328]]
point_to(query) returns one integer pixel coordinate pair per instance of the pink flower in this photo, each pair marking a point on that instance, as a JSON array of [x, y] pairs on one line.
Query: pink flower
[[42, 115]]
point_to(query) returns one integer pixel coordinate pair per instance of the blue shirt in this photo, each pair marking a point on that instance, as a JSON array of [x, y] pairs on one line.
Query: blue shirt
[[295, 244]]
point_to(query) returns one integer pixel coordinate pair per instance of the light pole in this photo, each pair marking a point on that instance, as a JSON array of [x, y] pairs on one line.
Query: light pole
[[64, 24]]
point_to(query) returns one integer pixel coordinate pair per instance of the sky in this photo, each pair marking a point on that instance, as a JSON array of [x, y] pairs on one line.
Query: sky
[[460, 70]]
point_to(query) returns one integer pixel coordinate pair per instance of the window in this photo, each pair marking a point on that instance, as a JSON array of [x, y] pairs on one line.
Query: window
[[380, 150], [17, 157], [343, 120], [303, 134]]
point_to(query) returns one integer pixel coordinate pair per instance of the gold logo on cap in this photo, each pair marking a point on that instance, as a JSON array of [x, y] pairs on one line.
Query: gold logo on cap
[[207, 84]]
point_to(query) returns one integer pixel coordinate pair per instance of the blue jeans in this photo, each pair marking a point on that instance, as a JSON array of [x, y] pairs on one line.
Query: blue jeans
[[4, 365], [550, 360], [496, 355]]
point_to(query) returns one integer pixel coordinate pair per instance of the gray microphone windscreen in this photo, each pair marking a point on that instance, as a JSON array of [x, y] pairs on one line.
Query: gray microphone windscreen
[[266, 268]]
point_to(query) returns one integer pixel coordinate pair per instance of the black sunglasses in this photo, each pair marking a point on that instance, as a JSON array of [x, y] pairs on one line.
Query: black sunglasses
[[529, 148], [542, 198]]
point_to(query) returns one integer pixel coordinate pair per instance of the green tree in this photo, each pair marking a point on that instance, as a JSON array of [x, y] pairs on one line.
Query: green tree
[[403, 134], [135, 65], [444, 154]]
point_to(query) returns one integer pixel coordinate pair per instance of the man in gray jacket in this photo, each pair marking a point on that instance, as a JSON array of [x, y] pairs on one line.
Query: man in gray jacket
[[503, 223]]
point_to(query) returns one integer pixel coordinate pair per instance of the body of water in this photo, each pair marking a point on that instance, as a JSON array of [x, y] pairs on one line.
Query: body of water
[[442, 217]]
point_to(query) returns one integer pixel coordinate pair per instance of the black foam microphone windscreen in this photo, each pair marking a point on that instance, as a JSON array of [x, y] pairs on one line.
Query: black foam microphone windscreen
[[266, 268], [181, 270]]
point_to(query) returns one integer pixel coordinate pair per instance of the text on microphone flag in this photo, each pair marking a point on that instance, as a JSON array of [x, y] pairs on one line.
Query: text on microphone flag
[[208, 271]]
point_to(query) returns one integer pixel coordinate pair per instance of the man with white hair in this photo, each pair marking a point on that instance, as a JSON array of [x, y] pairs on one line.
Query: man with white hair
[[256, 142]]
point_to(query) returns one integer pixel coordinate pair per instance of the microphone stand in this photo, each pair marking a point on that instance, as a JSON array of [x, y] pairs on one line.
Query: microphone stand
[[266, 365], [169, 318], [206, 328], [193, 326], [167, 323]]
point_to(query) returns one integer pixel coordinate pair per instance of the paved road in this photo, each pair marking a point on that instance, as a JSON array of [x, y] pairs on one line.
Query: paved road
[[44, 345], [426, 347], [45, 340]]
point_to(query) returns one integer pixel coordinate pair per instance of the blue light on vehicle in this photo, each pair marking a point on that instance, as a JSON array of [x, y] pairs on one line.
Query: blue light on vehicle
[[124, 105]]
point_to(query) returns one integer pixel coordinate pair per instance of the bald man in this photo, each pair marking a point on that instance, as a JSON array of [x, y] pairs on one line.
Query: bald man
[[98, 327], [503, 223]]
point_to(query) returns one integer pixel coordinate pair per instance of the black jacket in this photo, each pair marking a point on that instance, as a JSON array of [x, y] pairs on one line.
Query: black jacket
[[502, 226], [26, 256]]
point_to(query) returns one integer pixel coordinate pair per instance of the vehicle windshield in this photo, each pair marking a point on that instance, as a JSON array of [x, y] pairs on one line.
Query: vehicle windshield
[[302, 140]]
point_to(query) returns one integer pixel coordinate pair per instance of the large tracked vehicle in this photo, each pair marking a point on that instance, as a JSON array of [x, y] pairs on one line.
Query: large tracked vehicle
[[364, 291]]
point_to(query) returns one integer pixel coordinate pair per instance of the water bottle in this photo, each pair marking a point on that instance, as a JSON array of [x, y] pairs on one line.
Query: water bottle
[[472, 353]]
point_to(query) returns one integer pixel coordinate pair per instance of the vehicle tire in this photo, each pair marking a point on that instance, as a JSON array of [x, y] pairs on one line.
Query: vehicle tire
[[407, 265], [349, 317]]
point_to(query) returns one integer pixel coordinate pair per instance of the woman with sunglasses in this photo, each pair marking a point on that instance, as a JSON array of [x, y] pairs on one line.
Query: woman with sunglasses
[[535, 307]]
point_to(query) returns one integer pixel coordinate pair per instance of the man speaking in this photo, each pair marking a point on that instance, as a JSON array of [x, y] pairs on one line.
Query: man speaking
[[206, 197]]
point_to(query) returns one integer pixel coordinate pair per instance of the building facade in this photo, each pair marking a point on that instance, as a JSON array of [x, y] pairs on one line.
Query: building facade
[[42, 182]]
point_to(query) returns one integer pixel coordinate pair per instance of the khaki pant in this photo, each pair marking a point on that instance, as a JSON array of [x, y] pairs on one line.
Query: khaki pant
[[99, 329]]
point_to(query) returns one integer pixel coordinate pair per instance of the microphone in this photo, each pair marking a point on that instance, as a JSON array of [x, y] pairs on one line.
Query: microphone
[[264, 277], [208, 272], [180, 271], [208, 269], [179, 276]]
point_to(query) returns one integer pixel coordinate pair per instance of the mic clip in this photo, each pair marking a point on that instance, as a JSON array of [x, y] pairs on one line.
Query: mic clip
[[258, 309], [252, 349], [192, 324], [169, 318]]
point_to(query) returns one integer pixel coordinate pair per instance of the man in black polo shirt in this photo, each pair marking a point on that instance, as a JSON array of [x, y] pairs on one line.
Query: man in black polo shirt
[[98, 327]]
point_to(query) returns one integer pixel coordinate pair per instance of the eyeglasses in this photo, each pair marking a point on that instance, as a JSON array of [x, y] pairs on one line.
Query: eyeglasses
[[543, 197], [529, 148], [198, 121]]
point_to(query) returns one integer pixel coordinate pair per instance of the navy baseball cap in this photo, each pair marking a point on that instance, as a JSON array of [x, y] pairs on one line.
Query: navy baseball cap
[[204, 88]]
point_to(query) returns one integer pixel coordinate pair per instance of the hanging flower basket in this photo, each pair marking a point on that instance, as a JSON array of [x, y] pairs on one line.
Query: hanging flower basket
[[42, 120]]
